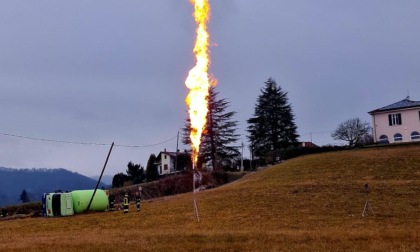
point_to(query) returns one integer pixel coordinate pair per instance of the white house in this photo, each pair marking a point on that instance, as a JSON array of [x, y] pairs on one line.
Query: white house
[[398, 122], [165, 162]]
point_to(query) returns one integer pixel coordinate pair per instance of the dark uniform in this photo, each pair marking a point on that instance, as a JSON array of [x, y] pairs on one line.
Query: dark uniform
[[138, 199], [111, 199], [126, 203], [3, 213]]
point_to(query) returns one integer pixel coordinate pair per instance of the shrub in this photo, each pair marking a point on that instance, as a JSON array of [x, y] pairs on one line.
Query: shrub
[[276, 156], [31, 208], [175, 184]]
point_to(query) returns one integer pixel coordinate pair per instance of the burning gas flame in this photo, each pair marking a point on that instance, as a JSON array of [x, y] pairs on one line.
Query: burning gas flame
[[198, 80]]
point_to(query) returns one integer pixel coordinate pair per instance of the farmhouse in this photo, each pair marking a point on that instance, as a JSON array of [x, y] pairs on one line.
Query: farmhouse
[[397, 122], [165, 162]]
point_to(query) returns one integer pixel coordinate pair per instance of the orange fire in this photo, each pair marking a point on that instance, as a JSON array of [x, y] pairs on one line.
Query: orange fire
[[198, 80]]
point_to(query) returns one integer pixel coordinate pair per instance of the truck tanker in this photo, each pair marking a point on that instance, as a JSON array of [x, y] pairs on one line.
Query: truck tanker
[[70, 203]]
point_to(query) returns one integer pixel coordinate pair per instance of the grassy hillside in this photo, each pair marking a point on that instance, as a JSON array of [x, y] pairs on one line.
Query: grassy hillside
[[312, 203]]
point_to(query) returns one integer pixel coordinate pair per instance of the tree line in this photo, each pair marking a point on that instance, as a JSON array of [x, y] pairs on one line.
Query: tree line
[[270, 130]]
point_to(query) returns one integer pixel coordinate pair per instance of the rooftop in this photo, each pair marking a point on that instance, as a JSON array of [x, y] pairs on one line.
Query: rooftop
[[403, 104]]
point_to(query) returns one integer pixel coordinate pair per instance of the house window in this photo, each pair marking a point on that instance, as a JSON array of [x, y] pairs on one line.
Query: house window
[[383, 139], [415, 135], [165, 167], [394, 119], [398, 137], [164, 156]]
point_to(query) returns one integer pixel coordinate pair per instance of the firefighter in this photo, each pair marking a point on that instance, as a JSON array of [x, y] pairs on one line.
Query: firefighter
[[138, 199], [125, 203], [111, 203], [3, 212]]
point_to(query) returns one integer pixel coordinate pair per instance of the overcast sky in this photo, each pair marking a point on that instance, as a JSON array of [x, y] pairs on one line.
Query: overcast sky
[[113, 71]]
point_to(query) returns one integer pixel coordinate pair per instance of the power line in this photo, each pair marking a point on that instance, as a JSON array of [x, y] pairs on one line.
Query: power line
[[117, 145], [314, 133], [83, 143], [145, 146], [50, 140]]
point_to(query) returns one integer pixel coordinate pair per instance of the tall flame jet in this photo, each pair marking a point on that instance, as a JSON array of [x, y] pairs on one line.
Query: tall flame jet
[[198, 80]]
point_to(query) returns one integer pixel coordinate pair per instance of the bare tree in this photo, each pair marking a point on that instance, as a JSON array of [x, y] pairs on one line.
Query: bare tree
[[352, 131]]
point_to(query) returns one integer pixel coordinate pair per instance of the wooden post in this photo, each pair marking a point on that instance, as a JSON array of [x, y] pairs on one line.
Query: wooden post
[[176, 155], [100, 177], [194, 200]]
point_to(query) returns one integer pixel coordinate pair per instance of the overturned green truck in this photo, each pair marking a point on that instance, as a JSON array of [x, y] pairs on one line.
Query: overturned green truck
[[70, 203]]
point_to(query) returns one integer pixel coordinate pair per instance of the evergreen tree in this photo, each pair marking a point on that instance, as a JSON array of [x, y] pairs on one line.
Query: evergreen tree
[[272, 126], [134, 170], [219, 136], [24, 197], [140, 177], [151, 169], [184, 162], [119, 179]]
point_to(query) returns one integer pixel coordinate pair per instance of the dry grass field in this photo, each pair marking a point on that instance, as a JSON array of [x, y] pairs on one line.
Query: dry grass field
[[311, 203]]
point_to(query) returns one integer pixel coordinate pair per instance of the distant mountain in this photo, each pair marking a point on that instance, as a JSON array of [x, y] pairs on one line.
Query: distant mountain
[[39, 181], [106, 179]]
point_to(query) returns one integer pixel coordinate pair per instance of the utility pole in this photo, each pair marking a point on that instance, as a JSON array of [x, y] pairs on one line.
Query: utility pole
[[252, 155], [242, 157], [100, 177], [176, 155]]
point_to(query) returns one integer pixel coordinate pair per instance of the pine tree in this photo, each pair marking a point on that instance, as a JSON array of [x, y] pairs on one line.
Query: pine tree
[[24, 197], [272, 126], [151, 169], [183, 161], [133, 170], [219, 137], [119, 179]]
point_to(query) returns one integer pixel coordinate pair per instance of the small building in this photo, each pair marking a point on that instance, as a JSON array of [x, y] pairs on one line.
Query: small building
[[397, 122], [165, 162], [307, 145]]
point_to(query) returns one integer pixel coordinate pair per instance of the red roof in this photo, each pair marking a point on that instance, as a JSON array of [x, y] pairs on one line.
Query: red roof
[[308, 145]]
